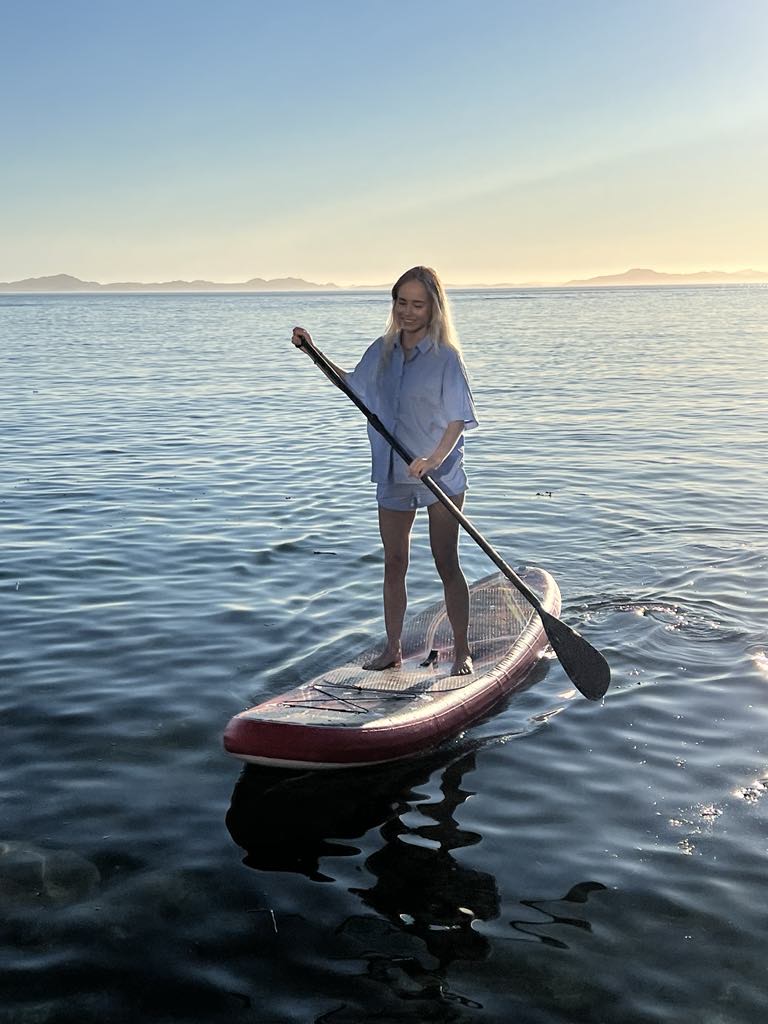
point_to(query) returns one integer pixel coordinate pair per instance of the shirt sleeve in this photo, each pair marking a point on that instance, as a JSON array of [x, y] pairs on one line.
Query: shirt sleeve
[[363, 378], [457, 394]]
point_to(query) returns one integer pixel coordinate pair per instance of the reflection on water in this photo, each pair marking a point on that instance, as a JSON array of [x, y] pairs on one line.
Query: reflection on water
[[422, 887], [290, 821], [576, 894]]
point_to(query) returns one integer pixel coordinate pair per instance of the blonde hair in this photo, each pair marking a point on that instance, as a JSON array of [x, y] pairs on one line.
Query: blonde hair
[[441, 329]]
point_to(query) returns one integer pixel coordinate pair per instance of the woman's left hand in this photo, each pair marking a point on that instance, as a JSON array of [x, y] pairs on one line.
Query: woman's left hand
[[447, 443], [421, 466]]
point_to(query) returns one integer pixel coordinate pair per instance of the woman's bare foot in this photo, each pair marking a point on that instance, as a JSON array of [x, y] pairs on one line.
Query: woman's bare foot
[[463, 666], [389, 658]]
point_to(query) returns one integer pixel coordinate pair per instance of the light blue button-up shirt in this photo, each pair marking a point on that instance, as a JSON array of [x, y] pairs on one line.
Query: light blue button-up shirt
[[415, 399]]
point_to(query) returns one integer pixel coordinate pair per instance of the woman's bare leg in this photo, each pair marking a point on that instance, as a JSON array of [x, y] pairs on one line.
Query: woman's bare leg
[[395, 529], [444, 540]]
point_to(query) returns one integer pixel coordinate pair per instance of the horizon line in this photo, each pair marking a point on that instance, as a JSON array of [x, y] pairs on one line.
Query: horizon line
[[633, 276]]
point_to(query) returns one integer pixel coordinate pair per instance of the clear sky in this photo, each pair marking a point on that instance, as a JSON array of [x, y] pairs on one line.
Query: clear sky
[[343, 140]]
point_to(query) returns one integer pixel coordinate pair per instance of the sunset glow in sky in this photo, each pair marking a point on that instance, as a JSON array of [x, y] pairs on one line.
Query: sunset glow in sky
[[498, 140]]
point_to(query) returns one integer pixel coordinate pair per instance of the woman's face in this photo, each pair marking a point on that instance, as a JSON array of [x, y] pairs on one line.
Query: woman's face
[[413, 309]]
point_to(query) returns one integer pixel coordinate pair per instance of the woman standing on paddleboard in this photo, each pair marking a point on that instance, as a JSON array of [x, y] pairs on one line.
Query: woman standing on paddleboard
[[413, 378]]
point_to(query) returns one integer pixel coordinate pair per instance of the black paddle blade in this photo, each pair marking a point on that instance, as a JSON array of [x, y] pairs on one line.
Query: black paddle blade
[[586, 667]]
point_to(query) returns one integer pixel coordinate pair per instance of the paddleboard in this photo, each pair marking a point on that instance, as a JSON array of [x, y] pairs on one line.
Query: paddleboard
[[349, 716]]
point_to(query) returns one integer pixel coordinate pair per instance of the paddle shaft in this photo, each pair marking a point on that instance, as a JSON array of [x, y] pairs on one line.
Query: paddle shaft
[[320, 361]]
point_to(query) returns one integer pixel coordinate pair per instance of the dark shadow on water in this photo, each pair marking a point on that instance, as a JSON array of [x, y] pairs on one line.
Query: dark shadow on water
[[290, 821], [421, 887], [579, 893]]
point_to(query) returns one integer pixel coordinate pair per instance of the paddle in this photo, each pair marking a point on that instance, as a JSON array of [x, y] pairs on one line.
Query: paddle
[[585, 666]]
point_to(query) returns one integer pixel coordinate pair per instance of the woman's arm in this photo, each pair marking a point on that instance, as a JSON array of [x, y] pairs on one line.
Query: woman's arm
[[447, 443]]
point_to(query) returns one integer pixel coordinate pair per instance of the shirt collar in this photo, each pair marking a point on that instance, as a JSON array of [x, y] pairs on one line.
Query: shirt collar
[[423, 346]]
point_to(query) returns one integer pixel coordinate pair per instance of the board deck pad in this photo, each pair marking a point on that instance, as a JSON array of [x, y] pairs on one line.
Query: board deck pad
[[505, 637], [498, 617]]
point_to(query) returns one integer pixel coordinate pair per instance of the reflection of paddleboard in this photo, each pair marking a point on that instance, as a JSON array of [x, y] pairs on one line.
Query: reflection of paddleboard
[[349, 716]]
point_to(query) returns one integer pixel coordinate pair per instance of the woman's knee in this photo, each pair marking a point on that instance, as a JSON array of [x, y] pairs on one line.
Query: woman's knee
[[396, 563], [447, 563]]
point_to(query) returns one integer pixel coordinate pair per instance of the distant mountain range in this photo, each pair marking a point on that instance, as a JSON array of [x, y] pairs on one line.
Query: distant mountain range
[[67, 283], [642, 276], [636, 276]]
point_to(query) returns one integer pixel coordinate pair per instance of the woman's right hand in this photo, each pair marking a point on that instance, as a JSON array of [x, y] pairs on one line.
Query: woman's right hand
[[302, 338]]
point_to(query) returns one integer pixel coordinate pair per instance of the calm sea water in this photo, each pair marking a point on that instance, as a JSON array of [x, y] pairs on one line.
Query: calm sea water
[[186, 526]]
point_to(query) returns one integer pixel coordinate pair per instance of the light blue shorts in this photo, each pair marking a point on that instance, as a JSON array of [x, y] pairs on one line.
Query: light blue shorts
[[406, 497]]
